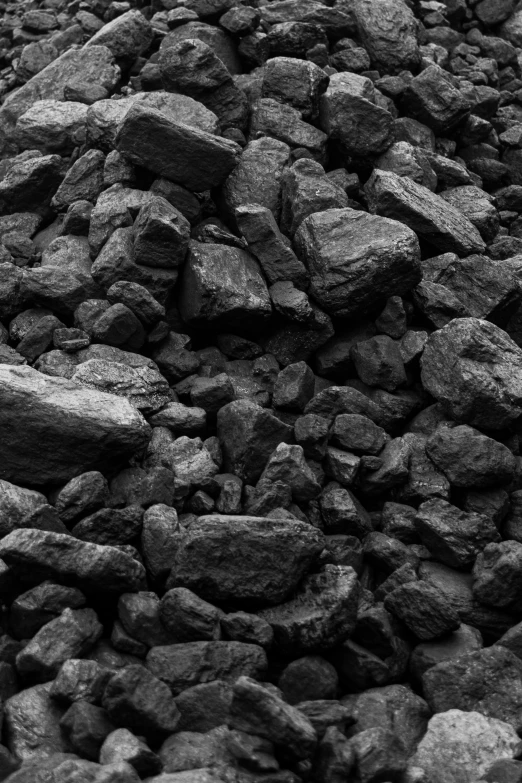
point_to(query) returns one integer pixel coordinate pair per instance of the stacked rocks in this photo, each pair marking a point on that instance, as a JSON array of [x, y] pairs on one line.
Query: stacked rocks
[[261, 391]]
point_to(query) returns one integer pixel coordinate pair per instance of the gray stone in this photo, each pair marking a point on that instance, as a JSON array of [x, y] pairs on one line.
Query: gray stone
[[429, 215], [355, 259], [270, 557], [77, 429]]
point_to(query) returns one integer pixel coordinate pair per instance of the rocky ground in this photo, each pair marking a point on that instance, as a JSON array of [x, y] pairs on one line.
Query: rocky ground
[[261, 391]]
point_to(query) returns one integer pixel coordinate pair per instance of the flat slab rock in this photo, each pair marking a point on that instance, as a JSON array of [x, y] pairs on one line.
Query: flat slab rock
[[76, 428]]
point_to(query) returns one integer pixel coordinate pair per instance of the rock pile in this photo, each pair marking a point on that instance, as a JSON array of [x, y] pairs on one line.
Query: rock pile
[[261, 391]]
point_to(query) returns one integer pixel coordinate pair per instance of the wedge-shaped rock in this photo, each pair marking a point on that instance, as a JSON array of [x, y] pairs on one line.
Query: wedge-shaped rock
[[54, 429], [356, 259], [245, 559], [190, 157], [92, 567], [222, 284], [429, 215]]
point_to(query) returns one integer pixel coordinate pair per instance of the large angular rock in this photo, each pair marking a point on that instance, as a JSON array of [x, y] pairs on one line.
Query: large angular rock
[[192, 158], [474, 370], [105, 116], [321, 615], [185, 665], [460, 746], [453, 537], [245, 560], [388, 31], [30, 184], [488, 681], [222, 285], [218, 40], [248, 435], [71, 635], [470, 459], [92, 567], [54, 429], [127, 36], [497, 575], [349, 113], [33, 724], [356, 259], [425, 212], [52, 126], [257, 177], [94, 64]]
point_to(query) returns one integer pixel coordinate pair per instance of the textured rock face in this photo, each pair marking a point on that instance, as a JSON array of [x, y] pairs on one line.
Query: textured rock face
[[353, 258], [473, 369], [77, 429]]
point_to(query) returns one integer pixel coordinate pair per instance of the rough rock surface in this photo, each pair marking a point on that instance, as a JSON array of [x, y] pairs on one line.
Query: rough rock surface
[[260, 391]]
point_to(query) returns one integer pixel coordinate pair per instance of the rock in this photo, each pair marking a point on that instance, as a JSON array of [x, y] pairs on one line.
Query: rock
[[496, 575], [258, 576], [146, 389], [33, 722], [433, 98], [123, 745], [277, 259], [310, 678], [392, 707], [306, 189], [423, 609], [150, 139], [90, 566], [453, 537], [257, 710], [257, 177], [470, 459], [488, 681], [94, 64], [249, 434], [476, 206], [322, 613], [97, 430], [430, 216], [142, 703], [30, 184], [127, 36], [71, 635], [299, 83], [52, 126], [16, 504], [355, 258], [222, 285], [468, 742], [349, 113], [184, 665], [481, 388], [388, 32]]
